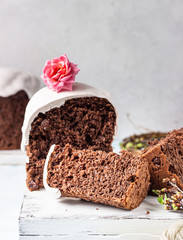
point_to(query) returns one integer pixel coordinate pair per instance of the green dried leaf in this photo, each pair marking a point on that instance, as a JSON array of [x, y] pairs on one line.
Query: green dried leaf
[[156, 192], [160, 200], [129, 145], [123, 147], [140, 145], [174, 207], [165, 197]]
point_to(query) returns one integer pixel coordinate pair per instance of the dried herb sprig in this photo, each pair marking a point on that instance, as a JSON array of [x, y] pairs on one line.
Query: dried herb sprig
[[172, 197]]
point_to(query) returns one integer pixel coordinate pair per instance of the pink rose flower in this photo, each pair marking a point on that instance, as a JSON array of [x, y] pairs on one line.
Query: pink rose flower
[[59, 74]]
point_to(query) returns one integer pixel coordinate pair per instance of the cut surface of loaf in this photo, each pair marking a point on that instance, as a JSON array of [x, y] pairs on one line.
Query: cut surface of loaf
[[108, 178], [82, 122], [165, 159]]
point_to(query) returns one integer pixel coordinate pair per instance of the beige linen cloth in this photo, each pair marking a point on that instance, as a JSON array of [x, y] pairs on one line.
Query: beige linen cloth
[[175, 232]]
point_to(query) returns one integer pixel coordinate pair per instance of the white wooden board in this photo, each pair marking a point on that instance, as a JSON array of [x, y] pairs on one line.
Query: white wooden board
[[12, 157], [43, 217]]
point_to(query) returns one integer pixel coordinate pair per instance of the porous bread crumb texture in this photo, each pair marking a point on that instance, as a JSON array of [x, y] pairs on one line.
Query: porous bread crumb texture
[[87, 122], [108, 178], [165, 159], [12, 111]]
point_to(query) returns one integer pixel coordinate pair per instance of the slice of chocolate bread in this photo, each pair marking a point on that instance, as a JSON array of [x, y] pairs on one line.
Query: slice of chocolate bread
[[108, 178], [165, 159]]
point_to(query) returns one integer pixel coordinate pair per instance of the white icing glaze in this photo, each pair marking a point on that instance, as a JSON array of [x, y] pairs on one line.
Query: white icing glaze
[[52, 191], [45, 99], [12, 81]]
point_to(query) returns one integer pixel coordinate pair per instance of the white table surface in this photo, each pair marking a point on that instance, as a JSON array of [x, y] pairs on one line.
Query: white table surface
[[12, 188]]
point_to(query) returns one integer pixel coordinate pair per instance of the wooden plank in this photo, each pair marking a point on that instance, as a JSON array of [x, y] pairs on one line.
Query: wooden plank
[[12, 157], [88, 237], [41, 215]]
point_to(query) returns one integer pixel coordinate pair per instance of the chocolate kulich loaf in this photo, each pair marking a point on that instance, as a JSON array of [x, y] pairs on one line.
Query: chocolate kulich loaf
[[165, 159], [108, 178], [83, 122], [16, 88], [12, 111]]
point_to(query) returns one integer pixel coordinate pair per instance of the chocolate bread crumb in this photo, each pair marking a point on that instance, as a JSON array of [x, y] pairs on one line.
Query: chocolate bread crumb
[[87, 122], [108, 178]]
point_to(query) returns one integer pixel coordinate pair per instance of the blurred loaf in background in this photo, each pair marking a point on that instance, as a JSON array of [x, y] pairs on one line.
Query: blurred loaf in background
[[16, 88]]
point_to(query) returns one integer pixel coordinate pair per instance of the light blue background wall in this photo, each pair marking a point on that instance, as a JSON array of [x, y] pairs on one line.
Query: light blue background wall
[[133, 49]]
